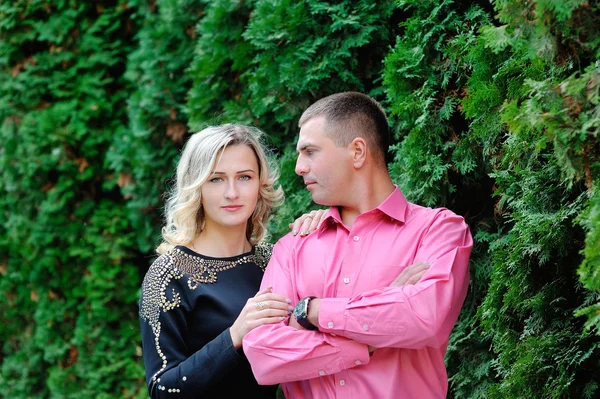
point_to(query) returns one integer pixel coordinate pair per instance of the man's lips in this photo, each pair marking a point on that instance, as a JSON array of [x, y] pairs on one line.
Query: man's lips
[[232, 208]]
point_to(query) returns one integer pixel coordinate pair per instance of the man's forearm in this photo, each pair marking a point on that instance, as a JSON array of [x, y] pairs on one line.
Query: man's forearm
[[412, 316], [301, 354]]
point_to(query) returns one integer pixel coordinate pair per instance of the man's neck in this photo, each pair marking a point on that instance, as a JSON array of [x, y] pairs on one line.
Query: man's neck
[[220, 242], [368, 194]]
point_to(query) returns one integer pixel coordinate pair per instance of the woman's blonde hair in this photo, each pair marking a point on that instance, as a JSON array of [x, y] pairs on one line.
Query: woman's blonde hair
[[183, 210]]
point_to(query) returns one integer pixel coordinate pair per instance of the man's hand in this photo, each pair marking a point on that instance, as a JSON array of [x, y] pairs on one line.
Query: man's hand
[[293, 323], [411, 275]]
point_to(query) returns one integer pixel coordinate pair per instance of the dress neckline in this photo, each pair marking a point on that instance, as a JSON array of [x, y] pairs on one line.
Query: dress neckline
[[191, 252]]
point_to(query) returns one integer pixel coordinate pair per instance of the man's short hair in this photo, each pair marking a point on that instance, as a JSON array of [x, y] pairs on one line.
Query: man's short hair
[[349, 115]]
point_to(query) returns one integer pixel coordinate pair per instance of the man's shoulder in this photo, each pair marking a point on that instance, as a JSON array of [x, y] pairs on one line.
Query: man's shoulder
[[423, 213], [290, 242], [287, 241]]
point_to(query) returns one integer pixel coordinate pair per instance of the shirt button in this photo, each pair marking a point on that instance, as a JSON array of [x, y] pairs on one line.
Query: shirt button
[[366, 327], [330, 324], [342, 382], [346, 280], [321, 372], [358, 362], [355, 238]]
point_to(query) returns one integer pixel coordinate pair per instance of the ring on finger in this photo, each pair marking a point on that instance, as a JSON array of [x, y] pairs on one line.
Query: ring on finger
[[261, 305]]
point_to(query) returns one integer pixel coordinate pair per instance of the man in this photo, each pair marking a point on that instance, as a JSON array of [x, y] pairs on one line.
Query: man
[[353, 335]]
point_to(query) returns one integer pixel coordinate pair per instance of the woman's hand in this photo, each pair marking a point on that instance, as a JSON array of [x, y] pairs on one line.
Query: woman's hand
[[264, 308], [307, 223]]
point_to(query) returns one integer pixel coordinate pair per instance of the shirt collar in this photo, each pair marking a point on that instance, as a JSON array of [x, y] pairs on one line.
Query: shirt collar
[[394, 206]]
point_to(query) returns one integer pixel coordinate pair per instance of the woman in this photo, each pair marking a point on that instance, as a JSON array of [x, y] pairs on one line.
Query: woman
[[199, 297]]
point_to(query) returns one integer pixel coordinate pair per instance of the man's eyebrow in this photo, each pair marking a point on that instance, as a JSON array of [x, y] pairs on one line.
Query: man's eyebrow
[[304, 147]]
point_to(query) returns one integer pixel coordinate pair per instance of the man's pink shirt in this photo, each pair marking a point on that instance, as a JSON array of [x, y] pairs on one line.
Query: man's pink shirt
[[351, 270]]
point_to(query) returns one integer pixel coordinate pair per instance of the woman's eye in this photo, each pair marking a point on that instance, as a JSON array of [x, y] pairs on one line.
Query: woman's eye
[[216, 180], [245, 177]]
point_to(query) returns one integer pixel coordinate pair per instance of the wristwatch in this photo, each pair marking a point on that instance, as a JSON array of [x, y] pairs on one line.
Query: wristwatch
[[301, 313]]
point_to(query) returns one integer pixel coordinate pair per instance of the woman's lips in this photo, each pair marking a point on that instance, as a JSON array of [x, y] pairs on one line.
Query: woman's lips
[[232, 208]]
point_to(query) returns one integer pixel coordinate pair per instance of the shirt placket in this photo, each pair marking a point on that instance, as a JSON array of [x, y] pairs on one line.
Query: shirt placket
[[346, 280], [342, 386]]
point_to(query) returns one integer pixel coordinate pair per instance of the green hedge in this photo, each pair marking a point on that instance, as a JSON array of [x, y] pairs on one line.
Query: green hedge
[[70, 263], [495, 112]]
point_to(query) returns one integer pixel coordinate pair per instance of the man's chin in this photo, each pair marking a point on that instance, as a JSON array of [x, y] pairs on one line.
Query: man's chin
[[320, 200]]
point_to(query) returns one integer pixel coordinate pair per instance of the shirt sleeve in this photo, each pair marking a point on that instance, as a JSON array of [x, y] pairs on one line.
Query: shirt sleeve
[[411, 316], [279, 353], [170, 367]]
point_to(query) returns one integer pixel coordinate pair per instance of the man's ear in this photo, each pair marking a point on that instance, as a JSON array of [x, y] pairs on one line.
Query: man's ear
[[358, 147]]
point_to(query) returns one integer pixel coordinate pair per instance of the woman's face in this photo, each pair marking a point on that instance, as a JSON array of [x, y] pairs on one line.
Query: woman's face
[[229, 196]]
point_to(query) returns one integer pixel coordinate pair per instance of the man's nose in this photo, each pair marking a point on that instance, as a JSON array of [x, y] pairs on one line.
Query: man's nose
[[301, 167]]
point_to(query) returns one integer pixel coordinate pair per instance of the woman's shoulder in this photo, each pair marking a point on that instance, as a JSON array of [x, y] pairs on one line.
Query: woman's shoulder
[[262, 253], [154, 299], [165, 263], [170, 266]]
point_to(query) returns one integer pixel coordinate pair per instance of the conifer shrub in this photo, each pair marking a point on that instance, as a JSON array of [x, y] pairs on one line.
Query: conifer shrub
[[68, 258], [498, 119], [495, 115]]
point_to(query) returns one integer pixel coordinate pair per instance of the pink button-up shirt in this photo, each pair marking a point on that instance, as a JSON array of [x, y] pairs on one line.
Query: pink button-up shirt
[[351, 269]]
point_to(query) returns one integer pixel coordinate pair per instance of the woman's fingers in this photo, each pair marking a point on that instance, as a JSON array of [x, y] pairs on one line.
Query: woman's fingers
[[305, 228], [273, 312], [263, 292], [299, 224], [295, 227], [307, 223], [312, 222], [262, 306], [269, 296], [317, 218], [270, 320]]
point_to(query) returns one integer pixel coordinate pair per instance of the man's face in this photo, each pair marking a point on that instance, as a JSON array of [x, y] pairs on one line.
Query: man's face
[[325, 168]]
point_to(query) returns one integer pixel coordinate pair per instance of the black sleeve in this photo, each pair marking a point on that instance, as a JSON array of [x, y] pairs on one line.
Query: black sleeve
[[170, 367]]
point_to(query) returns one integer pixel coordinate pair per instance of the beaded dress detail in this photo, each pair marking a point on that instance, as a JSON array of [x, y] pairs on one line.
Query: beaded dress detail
[[177, 264]]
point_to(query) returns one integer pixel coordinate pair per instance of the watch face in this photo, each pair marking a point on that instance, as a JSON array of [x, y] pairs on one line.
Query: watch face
[[300, 309]]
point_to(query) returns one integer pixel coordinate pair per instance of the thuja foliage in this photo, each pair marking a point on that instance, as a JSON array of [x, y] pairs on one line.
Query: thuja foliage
[[263, 62], [68, 269], [442, 159], [495, 114], [509, 93], [145, 154]]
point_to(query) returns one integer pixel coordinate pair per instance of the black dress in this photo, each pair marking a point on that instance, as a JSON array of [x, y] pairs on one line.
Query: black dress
[[187, 305]]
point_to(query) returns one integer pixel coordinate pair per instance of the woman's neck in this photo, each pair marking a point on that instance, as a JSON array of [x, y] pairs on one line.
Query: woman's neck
[[219, 242]]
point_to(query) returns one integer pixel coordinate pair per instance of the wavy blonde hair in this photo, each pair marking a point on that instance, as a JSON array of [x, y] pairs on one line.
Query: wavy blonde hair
[[183, 210]]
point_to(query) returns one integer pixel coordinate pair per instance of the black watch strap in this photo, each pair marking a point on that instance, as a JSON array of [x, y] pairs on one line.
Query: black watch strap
[[301, 313]]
